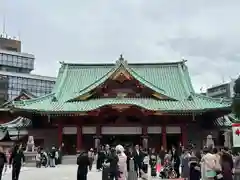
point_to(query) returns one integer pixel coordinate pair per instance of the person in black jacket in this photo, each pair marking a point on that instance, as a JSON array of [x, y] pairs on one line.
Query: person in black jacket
[[176, 161], [52, 157], [138, 157], [3, 161], [83, 163], [17, 158], [112, 160]]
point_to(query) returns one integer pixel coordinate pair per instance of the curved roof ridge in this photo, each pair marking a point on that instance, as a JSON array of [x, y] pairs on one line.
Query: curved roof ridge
[[133, 63], [63, 78], [183, 80]]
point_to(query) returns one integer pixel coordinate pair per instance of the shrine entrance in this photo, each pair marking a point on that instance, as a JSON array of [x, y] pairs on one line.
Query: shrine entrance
[[125, 140], [173, 140], [70, 146]]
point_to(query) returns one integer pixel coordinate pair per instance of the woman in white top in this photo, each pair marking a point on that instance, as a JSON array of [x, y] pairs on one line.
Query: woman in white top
[[208, 165]]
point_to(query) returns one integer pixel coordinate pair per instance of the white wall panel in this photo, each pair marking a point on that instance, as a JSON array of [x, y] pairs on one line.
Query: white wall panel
[[70, 130], [173, 130], [89, 130], [154, 130], [121, 130]]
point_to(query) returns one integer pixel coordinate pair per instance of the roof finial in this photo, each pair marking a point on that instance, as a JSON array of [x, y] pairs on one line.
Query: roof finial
[[121, 58], [184, 60]]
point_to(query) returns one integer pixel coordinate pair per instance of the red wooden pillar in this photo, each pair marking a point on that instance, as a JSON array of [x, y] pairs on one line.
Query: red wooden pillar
[[60, 134], [79, 138], [164, 137], [184, 135]]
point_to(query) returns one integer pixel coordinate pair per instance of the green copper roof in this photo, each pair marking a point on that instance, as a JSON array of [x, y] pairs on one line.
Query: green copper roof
[[169, 79]]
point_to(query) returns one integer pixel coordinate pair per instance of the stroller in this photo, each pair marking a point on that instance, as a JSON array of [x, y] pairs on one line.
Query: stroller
[[167, 172], [44, 159]]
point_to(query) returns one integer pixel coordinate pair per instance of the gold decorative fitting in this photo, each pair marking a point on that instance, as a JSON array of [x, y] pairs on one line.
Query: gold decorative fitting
[[120, 107]]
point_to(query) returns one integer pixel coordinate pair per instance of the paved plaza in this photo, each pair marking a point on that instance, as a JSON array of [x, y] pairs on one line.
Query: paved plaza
[[62, 172]]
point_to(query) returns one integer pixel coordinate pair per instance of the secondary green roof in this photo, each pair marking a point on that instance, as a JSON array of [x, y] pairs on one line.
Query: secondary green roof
[[169, 79]]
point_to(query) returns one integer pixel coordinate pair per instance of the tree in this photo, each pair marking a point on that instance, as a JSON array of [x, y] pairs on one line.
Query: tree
[[236, 98]]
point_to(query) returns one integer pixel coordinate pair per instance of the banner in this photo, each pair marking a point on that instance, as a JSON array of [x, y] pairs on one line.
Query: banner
[[236, 134]]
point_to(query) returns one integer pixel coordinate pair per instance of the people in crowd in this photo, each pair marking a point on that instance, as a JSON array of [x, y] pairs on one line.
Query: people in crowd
[[52, 157], [176, 161], [208, 164], [44, 157], [83, 163], [162, 154], [237, 167], [226, 164], [144, 167], [38, 159], [122, 162], [138, 156], [131, 165], [194, 166], [91, 158], [112, 164], [17, 159], [218, 167], [3, 162], [100, 157], [185, 169], [153, 162]]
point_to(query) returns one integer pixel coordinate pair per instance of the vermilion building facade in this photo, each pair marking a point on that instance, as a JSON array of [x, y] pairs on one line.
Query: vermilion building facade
[[149, 104]]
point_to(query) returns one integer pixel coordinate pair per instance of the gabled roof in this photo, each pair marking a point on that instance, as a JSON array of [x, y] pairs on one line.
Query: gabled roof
[[15, 129], [23, 94], [170, 79], [227, 120]]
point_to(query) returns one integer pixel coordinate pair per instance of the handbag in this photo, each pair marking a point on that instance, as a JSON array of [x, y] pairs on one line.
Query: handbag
[[210, 173]]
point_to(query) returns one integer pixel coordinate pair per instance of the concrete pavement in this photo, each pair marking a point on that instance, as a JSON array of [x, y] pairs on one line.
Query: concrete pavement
[[61, 172]]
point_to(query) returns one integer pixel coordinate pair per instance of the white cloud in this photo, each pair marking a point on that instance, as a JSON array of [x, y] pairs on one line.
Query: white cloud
[[204, 32]]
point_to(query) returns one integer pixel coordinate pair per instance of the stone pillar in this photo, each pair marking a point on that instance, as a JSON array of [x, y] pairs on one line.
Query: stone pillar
[[79, 138], [164, 137], [60, 135], [184, 135]]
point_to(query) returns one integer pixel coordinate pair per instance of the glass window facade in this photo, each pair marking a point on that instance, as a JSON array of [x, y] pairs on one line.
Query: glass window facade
[[20, 62], [37, 87]]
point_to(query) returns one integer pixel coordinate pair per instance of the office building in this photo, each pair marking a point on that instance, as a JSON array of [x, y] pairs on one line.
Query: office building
[[15, 72], [224, 90]]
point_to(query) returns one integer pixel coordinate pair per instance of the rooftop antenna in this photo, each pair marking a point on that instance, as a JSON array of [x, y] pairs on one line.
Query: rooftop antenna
[[223, 79], [4, 24], [19, 35]]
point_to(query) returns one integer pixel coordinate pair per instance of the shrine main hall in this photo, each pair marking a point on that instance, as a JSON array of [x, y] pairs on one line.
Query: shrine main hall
[[151, 104]]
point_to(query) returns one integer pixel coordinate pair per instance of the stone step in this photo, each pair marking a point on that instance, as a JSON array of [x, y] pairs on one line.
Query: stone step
[[69, 159]]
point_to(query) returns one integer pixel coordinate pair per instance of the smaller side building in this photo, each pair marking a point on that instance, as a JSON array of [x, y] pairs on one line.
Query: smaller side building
[[224, 90]]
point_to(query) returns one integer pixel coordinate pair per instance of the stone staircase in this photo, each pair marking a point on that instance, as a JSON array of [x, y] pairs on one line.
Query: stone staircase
[[69, 159]]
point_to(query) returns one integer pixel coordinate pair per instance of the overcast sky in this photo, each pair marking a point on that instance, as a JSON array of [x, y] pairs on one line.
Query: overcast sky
[[206, 33]]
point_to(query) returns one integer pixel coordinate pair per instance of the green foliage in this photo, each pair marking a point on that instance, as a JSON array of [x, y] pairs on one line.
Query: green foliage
[[236, 98]]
